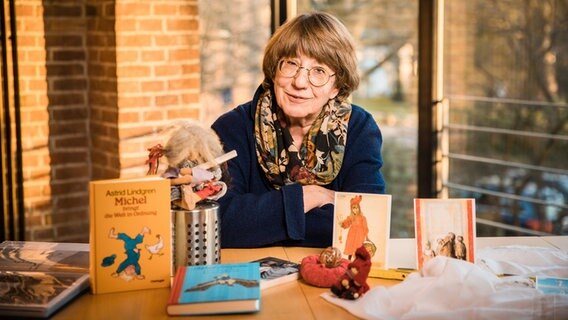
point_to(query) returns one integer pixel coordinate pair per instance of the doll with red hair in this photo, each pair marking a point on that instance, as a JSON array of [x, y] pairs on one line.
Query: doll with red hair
[[353, 284]]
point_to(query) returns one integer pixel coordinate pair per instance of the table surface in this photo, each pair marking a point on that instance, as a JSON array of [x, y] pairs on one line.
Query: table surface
[[294, 300]]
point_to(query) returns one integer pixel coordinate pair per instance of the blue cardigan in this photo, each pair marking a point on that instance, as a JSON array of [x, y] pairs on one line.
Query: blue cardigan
[[253, 214]]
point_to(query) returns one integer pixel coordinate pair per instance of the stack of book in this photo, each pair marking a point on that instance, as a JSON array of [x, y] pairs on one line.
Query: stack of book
[[215, 289], [227, 288], [38, 278], [275, 271]]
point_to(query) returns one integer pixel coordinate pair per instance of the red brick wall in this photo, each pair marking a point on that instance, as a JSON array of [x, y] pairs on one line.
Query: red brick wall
[[102, 93], [34, 114], [157, 54], [98, 80]]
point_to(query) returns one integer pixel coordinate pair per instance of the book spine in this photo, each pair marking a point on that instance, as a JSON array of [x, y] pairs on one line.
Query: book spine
[[179, 279], [92, 248], [418, 232], [471, 229]]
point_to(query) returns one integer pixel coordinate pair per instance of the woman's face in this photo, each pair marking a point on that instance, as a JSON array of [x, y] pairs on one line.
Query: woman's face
[[297, 97]]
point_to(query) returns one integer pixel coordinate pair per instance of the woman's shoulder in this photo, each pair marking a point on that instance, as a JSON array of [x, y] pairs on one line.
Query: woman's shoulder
[[240, 112], [362, 119], [360, 113], [234, 120], [243, 113]]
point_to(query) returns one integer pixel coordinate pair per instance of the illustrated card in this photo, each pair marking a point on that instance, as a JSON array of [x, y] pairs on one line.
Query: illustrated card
[[444, 227], [362, 219]]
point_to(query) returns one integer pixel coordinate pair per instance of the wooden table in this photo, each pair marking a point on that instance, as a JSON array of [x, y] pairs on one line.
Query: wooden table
[[294, 300]]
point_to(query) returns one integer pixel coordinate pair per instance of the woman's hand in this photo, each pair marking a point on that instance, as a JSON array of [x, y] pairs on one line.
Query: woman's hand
[[316, 196]]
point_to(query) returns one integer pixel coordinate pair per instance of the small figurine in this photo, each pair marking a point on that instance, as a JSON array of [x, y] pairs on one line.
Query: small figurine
[[353, 284], [193, 152]]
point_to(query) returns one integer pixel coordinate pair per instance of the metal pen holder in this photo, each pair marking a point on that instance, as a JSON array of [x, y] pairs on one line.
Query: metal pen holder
[[196, 235]]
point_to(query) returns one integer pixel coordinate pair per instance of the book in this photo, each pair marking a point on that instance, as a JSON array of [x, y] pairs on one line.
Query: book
[[130, 234], [391, 273], [275, 271], [552, 285], [39, 278], [444, 227], [363, 219], [215, 289]]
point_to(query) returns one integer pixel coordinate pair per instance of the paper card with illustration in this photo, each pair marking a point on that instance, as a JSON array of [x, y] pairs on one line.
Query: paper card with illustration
[[362, 219], [444, 227]]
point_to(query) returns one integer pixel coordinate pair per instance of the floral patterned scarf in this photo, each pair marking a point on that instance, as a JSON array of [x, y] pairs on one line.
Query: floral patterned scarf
[[319, 159]]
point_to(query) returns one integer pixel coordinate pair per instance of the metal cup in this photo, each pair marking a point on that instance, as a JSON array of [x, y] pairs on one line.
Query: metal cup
[[196, 235]]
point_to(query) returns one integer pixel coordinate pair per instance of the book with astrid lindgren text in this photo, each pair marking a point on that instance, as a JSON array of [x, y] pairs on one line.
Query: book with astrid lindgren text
[[215, 289], [130, 236]]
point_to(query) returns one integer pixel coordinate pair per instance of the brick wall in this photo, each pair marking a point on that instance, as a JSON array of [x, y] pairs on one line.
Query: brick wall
[[98, 81], [34, 113], [157, 56], [102, 93]]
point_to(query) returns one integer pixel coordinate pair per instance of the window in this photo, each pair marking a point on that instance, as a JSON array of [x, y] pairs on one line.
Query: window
[[233, 36], [504, 132], [385, 33]]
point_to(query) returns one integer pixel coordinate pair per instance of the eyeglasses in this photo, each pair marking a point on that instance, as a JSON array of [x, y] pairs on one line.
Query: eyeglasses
[[316, 75]]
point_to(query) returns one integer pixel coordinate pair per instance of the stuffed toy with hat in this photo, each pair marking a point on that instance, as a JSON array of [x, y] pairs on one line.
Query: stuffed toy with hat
[[353, 284]]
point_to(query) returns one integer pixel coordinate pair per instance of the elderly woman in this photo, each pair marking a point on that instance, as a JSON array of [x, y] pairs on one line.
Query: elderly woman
[[299, 140]]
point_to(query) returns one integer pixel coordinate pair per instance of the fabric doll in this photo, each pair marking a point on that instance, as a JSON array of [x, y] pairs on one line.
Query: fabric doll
[[190, 144], [353, 283]]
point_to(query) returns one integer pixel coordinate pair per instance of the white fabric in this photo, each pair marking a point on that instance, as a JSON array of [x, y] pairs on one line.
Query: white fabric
[[524, 261], [454, 289]]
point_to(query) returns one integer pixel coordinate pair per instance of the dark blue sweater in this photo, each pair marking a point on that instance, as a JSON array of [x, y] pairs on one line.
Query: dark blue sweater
[[253, 214]]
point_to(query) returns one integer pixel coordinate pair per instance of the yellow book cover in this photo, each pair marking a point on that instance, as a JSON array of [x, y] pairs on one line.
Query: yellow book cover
[[130, 234]]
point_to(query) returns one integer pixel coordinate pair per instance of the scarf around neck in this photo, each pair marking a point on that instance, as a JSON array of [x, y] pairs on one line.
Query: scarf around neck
[[321, 155]]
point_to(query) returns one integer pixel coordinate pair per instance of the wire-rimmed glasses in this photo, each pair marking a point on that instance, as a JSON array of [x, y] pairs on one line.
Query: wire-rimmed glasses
[[317, 76]]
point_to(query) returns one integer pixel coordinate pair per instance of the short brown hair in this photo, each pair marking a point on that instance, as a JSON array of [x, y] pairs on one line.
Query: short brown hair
[[320, 36]]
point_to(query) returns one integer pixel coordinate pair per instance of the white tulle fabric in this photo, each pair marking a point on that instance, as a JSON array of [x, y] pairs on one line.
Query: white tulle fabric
[[454, 289]]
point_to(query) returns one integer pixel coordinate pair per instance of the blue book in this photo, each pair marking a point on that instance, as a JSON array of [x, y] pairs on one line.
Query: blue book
[[215, 289], [552, 285]]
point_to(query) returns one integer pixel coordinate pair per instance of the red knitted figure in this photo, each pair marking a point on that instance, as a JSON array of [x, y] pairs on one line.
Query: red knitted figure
[[353, 284]]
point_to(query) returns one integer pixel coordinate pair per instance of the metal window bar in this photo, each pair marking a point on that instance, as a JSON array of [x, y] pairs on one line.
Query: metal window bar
[[506, 101], [443, 136], [506, 131], [506, 163], [504, 195], [501, 225]]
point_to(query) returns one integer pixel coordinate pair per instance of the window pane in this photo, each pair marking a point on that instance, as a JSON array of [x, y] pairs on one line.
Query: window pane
[[233, 35], [385, 32], [506, 85]]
